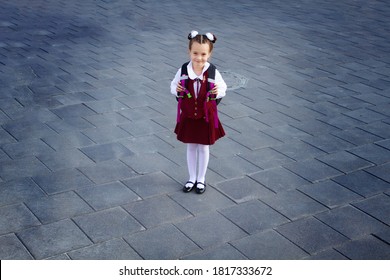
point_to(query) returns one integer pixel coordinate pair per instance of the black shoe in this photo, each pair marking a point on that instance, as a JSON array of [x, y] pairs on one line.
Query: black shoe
[[188, 189], [200, 190]]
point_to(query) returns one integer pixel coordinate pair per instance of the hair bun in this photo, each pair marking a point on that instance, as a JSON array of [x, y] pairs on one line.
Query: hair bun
[[192, 34], [211, 37]]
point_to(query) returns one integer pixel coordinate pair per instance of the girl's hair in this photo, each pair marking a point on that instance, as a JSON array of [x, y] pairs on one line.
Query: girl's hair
[[207, 38]]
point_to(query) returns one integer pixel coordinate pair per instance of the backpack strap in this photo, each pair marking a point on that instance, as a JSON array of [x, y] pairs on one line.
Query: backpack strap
[[184, 83], [212, 97]]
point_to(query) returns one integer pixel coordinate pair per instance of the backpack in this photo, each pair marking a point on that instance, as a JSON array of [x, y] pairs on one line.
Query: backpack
[[210, 81], [210, 85]]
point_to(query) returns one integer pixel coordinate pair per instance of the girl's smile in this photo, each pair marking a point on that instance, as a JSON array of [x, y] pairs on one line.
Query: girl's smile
[[199, 54]]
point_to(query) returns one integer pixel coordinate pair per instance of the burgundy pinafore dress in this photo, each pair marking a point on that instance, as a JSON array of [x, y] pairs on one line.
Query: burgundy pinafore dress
[[193, 126]]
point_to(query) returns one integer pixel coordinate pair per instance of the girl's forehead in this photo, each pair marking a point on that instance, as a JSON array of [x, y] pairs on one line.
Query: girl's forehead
[[200, 47]]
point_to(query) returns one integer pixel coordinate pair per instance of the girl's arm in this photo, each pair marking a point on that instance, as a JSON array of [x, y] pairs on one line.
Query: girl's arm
[[221, 85], [175, 83]]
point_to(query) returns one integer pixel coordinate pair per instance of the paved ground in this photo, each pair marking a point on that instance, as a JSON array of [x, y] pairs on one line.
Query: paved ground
[[90, 167]]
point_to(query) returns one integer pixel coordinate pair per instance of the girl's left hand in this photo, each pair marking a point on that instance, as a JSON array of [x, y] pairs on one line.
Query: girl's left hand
[[215, 89]]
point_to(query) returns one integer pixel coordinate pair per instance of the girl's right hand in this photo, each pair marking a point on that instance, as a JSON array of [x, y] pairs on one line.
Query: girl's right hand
[[179, 88]]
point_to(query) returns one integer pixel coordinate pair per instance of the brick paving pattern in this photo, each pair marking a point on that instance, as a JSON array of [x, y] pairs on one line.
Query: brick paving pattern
[[90, 167]]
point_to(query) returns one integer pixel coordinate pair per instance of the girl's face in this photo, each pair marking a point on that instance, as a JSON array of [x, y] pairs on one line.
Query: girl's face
[[199, 54]]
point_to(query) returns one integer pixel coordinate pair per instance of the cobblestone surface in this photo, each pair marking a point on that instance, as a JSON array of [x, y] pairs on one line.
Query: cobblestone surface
[[90, 167]]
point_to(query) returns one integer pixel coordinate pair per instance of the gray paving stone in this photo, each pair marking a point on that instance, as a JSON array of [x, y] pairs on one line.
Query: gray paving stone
[[243, 189], [351, 222], [341, 121], [69, 124], [74, 98], [61, 143], [115, 249], [228, 147], [293, 204], [380, 128], [315, 127], [381, 171], [142, 127], [107, 224], [367, 248], [107, 151], [266, 158], [311, 235], [107, 119], [79, 110], [377, 206], [150, 144], [19, 190], [142, 113], [274, 119], [330, 254], [5, 137], [237, 111], [231, 167], [29, 147], [59, 160], [104, 106], [255, 140], [312, 170], [13, 249], [64, 180], [136, 101], [244, 124], [68, 84], [149, 162], [161, 243], [197, 204], [330, 193], [58, 207], [22, 130], [210, 229], [279, 179], [384, 144], [53, 239], [107, 171], [254, 216], [24, 167], [363, 183], [383, 235], [104, 134], [372, 153], [345, 161], [107, 195], [268, 245], [329, 143], [365, 115], [224, 252], [357, 136], [152, 184], [298, 150], [285, 133], [156, 211]]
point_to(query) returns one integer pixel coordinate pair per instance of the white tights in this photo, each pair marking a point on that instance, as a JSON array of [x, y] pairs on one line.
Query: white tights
[[193, 152]]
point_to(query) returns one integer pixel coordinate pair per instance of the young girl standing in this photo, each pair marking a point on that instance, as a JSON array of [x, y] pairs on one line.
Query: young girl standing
[[197, 124]]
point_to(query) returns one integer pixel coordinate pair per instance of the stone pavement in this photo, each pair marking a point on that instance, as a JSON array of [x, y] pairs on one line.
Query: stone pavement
[[90, 167]]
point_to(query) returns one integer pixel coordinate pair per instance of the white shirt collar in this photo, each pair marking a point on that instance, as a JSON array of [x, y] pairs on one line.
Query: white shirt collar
[[191, 73]]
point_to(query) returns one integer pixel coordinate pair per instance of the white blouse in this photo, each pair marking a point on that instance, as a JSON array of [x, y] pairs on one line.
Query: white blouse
[[191, 74]]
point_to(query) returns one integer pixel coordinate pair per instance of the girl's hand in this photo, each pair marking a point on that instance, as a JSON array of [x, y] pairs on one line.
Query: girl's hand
[[179, 88], [215, 89]]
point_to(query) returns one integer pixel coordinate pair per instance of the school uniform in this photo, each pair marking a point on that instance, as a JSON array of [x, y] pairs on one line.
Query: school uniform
[[197, 122]]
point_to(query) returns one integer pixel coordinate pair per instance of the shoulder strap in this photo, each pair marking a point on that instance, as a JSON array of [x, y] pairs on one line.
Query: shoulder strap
[[184, 69], [211, 75], [211, 71], [184, 74]]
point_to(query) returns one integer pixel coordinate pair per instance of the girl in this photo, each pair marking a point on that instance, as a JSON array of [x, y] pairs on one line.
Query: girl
[[198, 125]]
